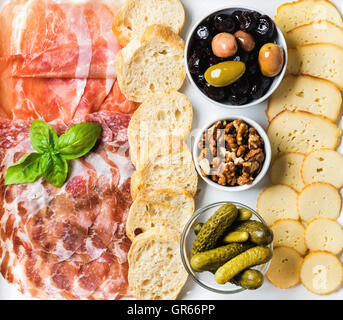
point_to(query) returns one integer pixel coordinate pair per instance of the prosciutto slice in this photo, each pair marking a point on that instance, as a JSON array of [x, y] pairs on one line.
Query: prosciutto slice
[[68, 242], [57, 58]]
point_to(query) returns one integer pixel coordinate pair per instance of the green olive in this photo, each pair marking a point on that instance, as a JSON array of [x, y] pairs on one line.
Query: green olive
[[224, 73]]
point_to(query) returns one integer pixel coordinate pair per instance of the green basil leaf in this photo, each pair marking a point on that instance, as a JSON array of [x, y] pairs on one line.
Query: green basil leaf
[[78, 140], [43, 137], [54, 169], [26, 170]]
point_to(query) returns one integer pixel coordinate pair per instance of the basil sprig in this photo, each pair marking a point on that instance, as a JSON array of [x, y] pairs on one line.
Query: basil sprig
[[50, 160]]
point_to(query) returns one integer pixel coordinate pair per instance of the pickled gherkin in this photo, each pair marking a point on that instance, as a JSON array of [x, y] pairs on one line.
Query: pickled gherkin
[[258, 232], [249, 258], [249, 279], [224, 73], [211, 260], [214, 228]]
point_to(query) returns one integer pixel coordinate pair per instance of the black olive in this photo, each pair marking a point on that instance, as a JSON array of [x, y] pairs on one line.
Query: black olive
[[265, 28], [247, 21], [236, 15], [224, 23], [260, 87], [241, 56], [240, 87], [196, 63], [217, 94], [203, 33], [213, 60], [238, 99]]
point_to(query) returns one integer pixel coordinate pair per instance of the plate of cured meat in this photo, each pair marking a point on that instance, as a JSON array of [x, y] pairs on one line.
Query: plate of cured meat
[[166, 149]]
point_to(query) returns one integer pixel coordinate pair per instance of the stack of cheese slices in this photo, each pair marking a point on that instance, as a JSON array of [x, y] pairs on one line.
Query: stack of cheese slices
[[151, 70], [304, 202]]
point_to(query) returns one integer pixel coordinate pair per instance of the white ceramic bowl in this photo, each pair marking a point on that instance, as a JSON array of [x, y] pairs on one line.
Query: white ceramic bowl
[[280, 40], [267, 150]]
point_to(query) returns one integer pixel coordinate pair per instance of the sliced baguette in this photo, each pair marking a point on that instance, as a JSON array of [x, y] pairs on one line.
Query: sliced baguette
[[287, 170], [156, 271], [159, 116], [135, 15], [164, 171], [301, 132], [321, 60], [306, 93], [323, 166], [317, 32], [151, 63], [171, 208], [293, 14]]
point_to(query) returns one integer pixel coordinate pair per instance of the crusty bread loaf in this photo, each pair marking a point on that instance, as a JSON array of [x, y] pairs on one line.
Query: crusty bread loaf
[[287, 170], [291, 15], [156, 271], [135, 15], [151, 63], [317, 32], [159, 116], [319, 200], [323, 166], [289, 233], [321, 60], [301, 132], [171, 208], [284, 269], [166, 170], [306, 93], [321, 272], [324, 234], [277, 202]]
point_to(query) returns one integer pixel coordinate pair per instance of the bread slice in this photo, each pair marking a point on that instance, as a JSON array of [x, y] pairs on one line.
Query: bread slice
[[287, 170], [306, 93], [164, 171], [284, 269], [293, 14], [159, 116], [156, 271], [323, 166], [289, 233], [321, 272], [321, 60], [324, 234], [171, 208], [319, 200], [151, 63], [135, 15], [316, 32], [277, 202], [301, 132]]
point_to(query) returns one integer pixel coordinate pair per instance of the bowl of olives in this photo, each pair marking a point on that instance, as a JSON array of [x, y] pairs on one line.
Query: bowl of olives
[[236, 57]]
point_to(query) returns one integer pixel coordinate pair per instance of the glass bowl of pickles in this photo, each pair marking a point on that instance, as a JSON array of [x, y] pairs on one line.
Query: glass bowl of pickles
[[226, 247]]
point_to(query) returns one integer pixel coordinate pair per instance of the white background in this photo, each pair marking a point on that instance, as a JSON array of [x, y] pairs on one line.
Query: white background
[[205, 112]]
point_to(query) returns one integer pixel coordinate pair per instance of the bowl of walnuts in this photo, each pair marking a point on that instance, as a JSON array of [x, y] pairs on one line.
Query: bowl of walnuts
[[232, 154]]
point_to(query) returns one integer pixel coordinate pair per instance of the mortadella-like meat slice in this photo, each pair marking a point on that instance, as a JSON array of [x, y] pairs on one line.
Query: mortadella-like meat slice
[[68, 242]]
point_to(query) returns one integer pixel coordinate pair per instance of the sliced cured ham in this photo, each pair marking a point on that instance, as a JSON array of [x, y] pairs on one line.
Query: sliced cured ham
[[68, 242], [57, 59]]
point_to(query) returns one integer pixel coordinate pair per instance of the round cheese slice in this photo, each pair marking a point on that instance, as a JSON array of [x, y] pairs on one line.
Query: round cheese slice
[[277, 202], [324, 234], [289, 233], [319, 200], [321, 272], [284, 269]]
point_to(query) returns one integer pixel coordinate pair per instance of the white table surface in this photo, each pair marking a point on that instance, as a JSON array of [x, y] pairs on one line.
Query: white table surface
[[204, 112]]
